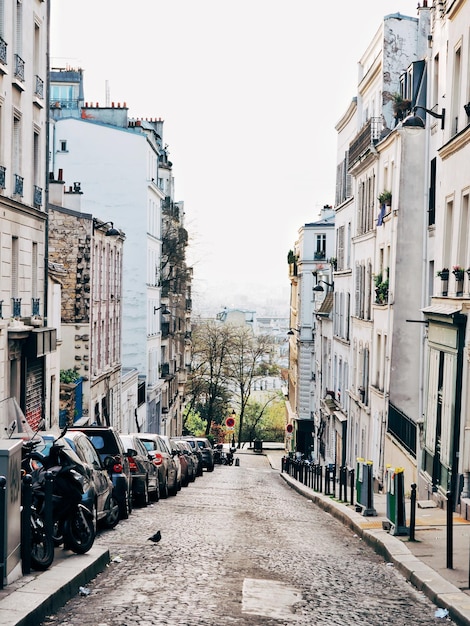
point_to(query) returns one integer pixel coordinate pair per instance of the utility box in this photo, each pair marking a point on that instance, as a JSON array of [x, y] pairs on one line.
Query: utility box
[[10, 522], [395, 485], [365, 487]]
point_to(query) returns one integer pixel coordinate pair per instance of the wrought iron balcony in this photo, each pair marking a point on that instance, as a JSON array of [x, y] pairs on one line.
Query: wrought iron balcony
[[19, 68], [39, 88], [16, 307], [37, 196], [3, 171], [366, 138], [3, 51], [19, 183], [64, 104]]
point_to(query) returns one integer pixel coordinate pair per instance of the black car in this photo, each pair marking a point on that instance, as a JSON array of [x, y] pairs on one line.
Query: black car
[[111, 450], [144, 473], [206, 449], [100, 497]]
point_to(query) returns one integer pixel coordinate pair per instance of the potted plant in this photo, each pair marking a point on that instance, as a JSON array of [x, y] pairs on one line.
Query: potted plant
[[385, 197], [443, 273], [458, 272], [401, 107]]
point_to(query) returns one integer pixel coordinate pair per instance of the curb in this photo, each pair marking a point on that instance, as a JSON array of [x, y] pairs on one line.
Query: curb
[[50, 590], [440, 591]]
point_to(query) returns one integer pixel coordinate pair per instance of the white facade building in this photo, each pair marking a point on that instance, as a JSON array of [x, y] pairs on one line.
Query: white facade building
[[116, 161]]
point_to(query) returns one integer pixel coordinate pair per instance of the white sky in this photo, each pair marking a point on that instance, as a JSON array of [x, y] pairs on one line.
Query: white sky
[[250, 91]]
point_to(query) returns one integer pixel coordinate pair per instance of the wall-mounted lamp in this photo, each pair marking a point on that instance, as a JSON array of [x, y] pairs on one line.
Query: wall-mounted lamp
[[415, 121], [318, 287], [166, 310], [111, 232], [292, 330]]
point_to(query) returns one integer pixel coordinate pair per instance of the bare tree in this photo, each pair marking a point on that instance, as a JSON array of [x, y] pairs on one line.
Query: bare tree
[[208, 385], [247, 353]]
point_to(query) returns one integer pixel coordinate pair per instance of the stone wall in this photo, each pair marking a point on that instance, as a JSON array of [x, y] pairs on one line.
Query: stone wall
[[70, 244]]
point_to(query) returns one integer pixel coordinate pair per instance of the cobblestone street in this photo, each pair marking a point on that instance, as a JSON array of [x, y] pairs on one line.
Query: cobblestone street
[[240, 547]]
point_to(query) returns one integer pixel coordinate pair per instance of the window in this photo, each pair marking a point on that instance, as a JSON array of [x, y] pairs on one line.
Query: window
[[456, 82], [63, 145], [320, 247], [432, 193], [14, 266]]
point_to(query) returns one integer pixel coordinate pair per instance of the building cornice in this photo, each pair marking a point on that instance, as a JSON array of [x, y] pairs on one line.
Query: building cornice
[[459, 141]]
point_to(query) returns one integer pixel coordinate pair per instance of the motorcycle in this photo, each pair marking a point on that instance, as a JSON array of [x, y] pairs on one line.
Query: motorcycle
[[73, 523]]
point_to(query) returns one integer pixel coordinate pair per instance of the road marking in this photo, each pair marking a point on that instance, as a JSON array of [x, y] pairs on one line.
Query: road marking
[[269, 598]]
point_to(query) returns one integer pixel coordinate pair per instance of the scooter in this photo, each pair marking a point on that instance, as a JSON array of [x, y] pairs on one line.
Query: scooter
[[74, 525]]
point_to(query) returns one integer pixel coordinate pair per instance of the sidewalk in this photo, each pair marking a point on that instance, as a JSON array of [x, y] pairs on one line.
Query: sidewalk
[[422, 562]]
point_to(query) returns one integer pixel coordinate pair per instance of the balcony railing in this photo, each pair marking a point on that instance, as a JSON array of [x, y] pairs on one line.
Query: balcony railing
[[319, 255], [3, 51], [367, 137], [19, 68], [16, 307], [35, 306], [64, 104], [19, 183], [3, 171], [37, 196], [39, 88]]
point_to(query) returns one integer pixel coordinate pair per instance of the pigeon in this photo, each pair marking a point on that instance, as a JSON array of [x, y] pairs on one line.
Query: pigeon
[[156, 537]]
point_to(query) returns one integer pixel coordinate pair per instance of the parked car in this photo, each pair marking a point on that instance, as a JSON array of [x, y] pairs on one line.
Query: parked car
[[100, 498], [98, 488], [144, 473], [188, 458], [193, 460], [197, 454], [163, 459], [175, 453], [206, 448], [111, 450]]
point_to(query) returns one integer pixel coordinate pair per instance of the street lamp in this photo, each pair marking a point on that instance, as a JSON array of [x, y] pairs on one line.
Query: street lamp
[[111, 232], [318, 287], [166, 310], [415, 121]]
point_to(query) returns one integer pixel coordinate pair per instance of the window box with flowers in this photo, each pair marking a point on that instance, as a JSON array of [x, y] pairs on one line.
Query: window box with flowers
[[444, 273], [458, 272]]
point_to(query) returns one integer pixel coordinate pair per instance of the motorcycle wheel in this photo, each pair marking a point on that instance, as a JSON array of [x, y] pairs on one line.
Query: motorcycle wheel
[[79, 531], [42, 545]]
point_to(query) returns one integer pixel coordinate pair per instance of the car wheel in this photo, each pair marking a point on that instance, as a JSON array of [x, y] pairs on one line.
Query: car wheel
[[143, 498], [164, 490], [155, 494], [113, 514], [210, 468], [124, 506]]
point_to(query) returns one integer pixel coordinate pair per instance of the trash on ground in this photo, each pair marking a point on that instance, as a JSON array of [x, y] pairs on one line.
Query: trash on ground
[[84, 591], [441, 613], [117, 559]]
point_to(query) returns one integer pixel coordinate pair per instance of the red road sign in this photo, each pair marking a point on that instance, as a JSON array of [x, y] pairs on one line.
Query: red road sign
[[230, 422], [289, 428]]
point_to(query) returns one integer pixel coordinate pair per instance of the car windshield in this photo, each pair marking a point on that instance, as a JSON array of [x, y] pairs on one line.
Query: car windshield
[[97, 441]]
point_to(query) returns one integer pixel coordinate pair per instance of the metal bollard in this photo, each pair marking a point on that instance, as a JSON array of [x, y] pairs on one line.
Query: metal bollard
[[449, 550], [237, 462], [3, 483], [412, 512], [351, 479]]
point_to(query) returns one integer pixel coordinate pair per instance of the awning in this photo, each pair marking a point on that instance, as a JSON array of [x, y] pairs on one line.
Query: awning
[[442, 309]]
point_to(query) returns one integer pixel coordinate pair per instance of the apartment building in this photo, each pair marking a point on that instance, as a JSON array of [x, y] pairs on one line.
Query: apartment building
[[309, 266], [90, 252], [29, 364], [126, 176]]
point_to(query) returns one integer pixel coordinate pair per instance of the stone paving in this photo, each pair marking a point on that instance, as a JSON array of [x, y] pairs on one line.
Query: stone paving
[[241, 547]]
